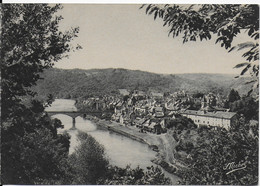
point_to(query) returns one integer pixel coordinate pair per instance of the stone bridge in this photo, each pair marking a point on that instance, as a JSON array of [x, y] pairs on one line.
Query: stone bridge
[[72, 114]]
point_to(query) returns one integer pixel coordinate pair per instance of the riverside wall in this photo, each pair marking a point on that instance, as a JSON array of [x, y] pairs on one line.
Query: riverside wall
[[153, 142]]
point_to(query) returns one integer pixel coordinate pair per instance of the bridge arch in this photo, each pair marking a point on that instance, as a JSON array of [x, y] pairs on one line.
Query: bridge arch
[[72, 114]]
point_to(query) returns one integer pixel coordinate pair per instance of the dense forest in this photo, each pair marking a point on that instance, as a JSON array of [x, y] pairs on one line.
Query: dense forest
[[86, 83]]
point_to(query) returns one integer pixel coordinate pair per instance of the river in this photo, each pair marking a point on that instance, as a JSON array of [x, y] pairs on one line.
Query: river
[[120, 150]]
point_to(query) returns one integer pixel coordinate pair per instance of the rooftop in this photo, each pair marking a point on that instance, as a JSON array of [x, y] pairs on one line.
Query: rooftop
[[218, 114]]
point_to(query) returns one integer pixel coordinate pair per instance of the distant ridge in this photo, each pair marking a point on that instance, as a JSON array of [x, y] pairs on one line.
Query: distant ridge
[[77, 83]]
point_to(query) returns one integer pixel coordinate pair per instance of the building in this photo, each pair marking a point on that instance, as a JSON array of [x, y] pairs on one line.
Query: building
[[156, 95], [158, 112], [212, 119]]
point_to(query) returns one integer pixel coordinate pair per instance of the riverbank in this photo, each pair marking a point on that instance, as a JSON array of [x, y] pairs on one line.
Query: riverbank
[[158, 143]]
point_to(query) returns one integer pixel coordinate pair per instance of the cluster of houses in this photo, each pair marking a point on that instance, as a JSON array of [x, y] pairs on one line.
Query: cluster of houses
[[211, 116], [151, 111]]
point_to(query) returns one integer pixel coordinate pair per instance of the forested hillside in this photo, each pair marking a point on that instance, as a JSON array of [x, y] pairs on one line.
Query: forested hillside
[[84, 83]]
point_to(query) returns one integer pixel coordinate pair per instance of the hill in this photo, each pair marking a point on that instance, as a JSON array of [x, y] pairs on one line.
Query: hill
[[84, 83]]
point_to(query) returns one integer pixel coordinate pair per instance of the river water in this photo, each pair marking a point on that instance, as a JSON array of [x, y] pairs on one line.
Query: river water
[[120, 151]]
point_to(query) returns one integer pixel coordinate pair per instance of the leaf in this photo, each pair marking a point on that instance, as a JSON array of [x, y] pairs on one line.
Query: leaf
[[152, 10], [248, 82], [245, 69], [256, 35], [227, 45], [251, 31], [245, 45], [232, 48], [148, 8], [241, 65], [143, 5], [161, 13], [249, 92], [155, 15], [219, 39]]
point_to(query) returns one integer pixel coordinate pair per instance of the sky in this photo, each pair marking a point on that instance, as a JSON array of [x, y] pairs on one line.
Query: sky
[[123, 36]]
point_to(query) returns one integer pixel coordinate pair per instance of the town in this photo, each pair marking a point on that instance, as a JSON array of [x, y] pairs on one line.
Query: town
[[129, 93], [152, 111]]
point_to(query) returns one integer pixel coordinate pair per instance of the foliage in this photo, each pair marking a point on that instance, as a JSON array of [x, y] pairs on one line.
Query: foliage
[[247, 106], [181, 123], [137, 176], [31, 43], [90, 166], [32, 151], [233, 96], [212, 151], [198, 95], [94, 83], [198, 22], [88, 162]]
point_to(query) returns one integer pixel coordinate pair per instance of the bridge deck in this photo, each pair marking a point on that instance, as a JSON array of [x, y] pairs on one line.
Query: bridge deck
[[72, 114]]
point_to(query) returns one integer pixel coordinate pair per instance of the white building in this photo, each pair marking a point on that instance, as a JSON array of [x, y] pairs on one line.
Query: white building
[[213, 119]]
